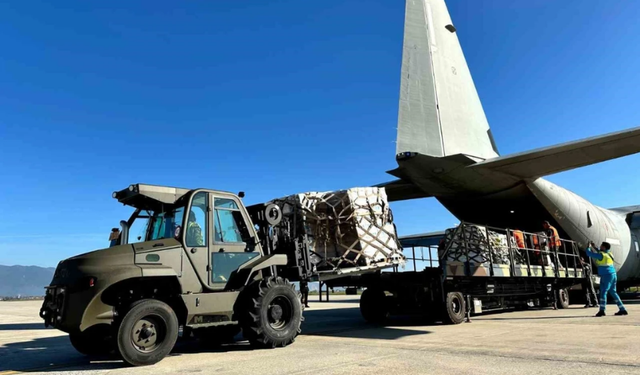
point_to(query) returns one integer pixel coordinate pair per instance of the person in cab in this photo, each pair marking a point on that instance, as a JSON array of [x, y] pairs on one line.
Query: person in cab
[[194, 232]]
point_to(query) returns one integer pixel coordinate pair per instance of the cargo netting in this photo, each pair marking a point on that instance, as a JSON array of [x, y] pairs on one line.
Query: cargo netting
[[346, 229]]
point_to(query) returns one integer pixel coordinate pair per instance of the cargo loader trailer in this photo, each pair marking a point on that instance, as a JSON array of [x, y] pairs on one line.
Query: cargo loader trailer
[[467, 270]]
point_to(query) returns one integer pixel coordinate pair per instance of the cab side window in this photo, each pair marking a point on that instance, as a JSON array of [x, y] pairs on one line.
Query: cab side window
[[196, 225], [228, 221]]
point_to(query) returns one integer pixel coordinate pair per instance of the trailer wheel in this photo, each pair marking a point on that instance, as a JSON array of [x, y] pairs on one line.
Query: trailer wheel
[[271, 313], [147, 333], [563, 298], [373, 307], [95, 341], [454, 309]]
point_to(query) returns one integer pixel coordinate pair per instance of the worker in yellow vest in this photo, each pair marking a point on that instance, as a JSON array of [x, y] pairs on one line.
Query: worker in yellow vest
[[608, 277]]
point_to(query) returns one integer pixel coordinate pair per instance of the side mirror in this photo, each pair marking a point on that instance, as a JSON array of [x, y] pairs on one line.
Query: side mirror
[[252, 243], [241, 194]]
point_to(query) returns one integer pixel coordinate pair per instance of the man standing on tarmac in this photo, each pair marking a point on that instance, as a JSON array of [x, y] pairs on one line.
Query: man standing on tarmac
[[304, 293], [608, 277], [587, 285]]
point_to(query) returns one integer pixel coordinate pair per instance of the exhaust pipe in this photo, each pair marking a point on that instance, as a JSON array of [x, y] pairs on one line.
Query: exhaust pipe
[[124, 233]]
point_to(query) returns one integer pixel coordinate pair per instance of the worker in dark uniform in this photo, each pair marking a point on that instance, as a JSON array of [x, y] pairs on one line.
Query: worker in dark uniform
[[538, 256], [304, 292], [608, 277], [587, 285]]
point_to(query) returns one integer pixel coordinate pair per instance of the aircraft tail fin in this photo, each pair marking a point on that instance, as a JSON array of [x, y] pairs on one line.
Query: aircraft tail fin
[[440, 113], [566, 156]]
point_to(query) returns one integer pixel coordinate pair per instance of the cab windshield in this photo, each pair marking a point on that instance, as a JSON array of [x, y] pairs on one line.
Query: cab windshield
[[165, 224], [159, 224]]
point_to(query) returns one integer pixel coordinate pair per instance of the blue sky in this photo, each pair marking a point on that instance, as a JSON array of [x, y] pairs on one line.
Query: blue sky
[[277, 97]]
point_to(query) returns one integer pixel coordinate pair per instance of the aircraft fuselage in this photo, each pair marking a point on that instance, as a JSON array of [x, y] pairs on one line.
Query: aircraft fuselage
[[496, 199]]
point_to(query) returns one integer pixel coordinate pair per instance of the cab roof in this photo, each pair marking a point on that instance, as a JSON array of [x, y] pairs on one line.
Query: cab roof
[[150, 197], [146, 196]]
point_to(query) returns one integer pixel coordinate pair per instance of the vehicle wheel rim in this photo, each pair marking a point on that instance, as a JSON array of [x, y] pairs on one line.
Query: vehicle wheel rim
[[148, 333], [279, 312], [456, 306]]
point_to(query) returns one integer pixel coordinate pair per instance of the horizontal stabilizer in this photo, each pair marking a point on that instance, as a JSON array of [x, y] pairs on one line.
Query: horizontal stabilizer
[[400, 190], [626, 210], [566, 156]]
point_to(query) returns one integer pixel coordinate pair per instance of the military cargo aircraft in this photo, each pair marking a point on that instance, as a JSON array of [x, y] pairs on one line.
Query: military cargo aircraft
[[445, 150]]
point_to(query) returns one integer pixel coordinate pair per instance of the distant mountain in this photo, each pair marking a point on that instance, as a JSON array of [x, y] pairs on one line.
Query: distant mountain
[[24, 280]]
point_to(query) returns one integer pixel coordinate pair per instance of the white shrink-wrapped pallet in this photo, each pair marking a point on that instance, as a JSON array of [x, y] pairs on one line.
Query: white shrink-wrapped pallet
[[347, 230], [470, 243]]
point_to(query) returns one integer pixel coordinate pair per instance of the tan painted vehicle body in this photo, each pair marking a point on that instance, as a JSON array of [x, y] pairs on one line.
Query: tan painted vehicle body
[[201, 282]]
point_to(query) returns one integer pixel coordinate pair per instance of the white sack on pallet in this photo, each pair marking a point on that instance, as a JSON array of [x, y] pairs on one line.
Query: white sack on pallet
[[348, 228], [474, 239]]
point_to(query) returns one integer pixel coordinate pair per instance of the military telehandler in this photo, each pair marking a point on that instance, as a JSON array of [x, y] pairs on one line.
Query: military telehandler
[[199, 267]]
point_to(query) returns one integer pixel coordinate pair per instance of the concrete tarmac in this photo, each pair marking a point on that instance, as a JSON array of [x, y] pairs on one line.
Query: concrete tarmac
[[336, 340]]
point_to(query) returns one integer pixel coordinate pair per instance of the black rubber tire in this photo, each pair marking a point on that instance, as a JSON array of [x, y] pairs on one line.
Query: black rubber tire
[[164, 327], [373, 306], [270, 313], [562, 298], [217, 335], [454, 308], [95, 341]]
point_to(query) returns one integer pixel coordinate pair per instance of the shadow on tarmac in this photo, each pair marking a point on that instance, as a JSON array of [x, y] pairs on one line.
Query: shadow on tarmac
[[349, 323], [22, 326], [314, 299], [49, 354], [624, 300], [542, 317], [46, 354]]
